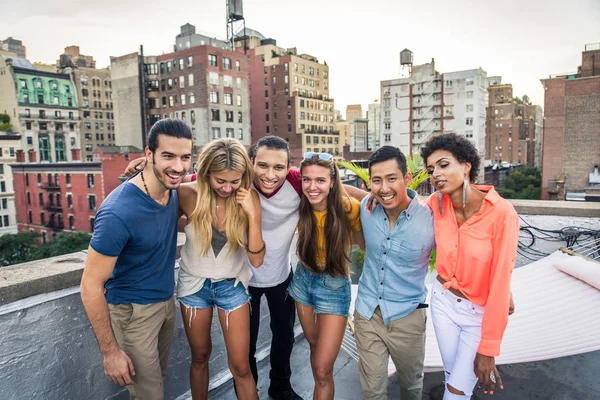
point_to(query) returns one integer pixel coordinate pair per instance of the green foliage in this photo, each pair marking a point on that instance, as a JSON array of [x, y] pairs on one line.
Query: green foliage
[[24, 247], [15, 249], [359, 171], [5, 127], [523, 183], [414, 165], [4, 119]]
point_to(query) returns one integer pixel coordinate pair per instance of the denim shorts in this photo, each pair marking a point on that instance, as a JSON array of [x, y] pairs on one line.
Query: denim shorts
[[324, 293], [222, 294]]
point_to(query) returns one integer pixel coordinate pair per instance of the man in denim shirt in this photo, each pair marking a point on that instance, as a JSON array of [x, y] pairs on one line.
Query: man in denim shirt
[[390, 311]]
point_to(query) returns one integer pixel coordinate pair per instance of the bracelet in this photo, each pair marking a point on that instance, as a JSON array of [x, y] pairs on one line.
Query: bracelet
[[259, 251]]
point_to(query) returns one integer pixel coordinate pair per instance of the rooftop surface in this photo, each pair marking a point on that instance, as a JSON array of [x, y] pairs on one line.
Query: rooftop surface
[[48, 350]]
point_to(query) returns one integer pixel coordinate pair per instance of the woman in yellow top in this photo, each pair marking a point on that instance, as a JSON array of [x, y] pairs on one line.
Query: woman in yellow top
[[329, 223]]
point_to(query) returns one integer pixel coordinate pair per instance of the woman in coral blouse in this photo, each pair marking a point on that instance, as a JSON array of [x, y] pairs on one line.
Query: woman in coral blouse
[[476, 233]]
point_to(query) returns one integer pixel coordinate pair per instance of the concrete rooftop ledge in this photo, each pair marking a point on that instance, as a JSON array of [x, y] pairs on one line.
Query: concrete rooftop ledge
[[559, 208], [20, 281]]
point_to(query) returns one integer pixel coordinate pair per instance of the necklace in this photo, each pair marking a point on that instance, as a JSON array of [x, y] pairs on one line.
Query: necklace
[[144, 182]]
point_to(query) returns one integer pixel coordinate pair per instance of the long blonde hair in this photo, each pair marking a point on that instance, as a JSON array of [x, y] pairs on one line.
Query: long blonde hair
[[217, 156]]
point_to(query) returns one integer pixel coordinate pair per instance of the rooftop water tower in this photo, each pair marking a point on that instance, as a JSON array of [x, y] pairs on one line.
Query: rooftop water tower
[[406, 61]]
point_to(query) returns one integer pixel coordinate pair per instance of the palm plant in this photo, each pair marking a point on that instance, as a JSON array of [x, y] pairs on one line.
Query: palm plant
[[414, 165]]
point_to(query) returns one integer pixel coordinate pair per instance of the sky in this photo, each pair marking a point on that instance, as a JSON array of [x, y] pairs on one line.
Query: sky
[[522, 41]]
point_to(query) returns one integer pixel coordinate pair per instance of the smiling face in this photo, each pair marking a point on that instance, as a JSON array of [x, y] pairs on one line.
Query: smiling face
[[270, 169], [446, 173], [226, 182], [388, 185], [316, 185], [171, 160]]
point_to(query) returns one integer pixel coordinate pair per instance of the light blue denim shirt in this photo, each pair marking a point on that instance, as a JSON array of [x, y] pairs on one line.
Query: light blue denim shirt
[[397, 260]]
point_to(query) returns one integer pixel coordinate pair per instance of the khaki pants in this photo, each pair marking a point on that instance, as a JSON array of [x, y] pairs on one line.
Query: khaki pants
[[144, 332], [404, 340]]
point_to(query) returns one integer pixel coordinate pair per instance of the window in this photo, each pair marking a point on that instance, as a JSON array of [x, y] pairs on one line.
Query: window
[[470, 94], [191, 80], [68, 180], [230, 133], [289, 115], [215, 115], [239, 117], [216, 133], [212, 60], [226, 64], [229, 118], [266, 105], [227, 81], [274, 80], [169, 66], [192, 98], [190, 61], [237, 65], [240, 134], [69, 201], [71, 222], [469, 107], [170, 83], [183, 99], [90, 181], [289, 127], [92, 202], [162, 69], [387, 125], [2, 186], [214, 97], [469, 134], [181, 82], [286, 79], [213, 78], [170, 101], [41, 198], [469, 121], [228, 99], [239, 100]]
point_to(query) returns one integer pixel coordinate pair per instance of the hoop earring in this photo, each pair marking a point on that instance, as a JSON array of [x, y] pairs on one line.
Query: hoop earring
[[465, 187]]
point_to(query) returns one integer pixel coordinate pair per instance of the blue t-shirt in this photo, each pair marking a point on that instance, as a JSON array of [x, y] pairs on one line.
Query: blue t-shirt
[[142, 234]]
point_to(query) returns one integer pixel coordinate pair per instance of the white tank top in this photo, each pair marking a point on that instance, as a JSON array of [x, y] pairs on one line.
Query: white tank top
[[195, 268]]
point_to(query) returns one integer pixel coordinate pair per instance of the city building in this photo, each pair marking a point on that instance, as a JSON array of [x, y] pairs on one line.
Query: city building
[[43, 110], [343, 127], [74, 59], [289, 95], [571, 138], [429, 103], [202, 83], [512, 127], [94, 94], [63, 197], [353, 111], [14, 46], [359, 132], [9, 145], [374, 117]]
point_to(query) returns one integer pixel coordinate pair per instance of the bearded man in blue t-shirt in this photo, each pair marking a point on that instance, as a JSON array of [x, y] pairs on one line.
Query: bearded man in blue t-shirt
[[128, 281]]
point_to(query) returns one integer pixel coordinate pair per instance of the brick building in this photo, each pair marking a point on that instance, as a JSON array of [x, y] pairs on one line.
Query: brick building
[[289, 94], [512, 127], [202, 83], [571, 139], [63, 197]]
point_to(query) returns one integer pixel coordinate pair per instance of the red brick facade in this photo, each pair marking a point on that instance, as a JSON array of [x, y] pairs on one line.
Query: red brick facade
[[571, 140]]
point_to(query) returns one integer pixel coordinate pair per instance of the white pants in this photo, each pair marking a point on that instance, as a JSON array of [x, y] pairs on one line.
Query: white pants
[[457, 323]]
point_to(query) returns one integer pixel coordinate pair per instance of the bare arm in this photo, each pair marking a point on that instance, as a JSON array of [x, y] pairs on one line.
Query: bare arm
[[355, 192], [251, 205], [117, 365], [359, 239], [134, 166]]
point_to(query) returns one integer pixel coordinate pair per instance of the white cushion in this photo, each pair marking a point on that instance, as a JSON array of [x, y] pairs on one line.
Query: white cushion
[[582, 269]]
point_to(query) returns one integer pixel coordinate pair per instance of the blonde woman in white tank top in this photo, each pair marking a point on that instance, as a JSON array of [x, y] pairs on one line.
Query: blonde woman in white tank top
[[224, 228]]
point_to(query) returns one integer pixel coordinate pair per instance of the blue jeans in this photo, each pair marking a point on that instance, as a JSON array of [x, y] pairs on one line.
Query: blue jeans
[[222, 294], [326, 294]]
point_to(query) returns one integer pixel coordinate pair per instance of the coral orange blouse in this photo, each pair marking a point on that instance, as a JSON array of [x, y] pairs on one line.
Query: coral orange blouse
[[478, 258]]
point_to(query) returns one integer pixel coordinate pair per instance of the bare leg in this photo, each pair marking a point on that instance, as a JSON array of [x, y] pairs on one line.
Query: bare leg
[[236, 331], [197, 329]]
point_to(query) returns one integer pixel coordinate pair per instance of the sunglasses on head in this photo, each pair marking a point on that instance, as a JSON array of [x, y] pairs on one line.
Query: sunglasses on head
[[323, 156]]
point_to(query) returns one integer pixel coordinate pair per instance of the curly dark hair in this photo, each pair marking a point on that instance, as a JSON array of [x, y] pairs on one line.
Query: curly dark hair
[[460, 147]]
